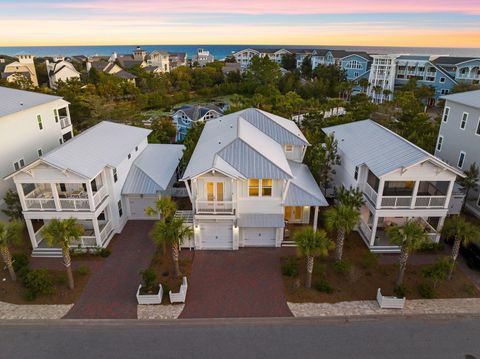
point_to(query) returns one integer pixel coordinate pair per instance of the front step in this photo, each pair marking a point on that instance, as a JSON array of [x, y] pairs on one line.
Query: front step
[[47, 252], [289, 244]]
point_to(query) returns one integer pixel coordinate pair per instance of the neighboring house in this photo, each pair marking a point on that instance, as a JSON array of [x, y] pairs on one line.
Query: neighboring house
[[138, 57], [102, 178], [111, 68], [159, 59], [301, 55], [462, 69], [356, 65], [398, 179], [458, 140], [24, 67], [60, 70], [186, 115], [177, 59], [31, 124], [244, 57], [382, 78], [246, 178], [202, 57]]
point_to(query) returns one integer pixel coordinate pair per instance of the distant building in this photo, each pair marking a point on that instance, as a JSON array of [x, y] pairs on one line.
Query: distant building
[[202, 57], [382, 78], [185, 116], [244, 57], [60, 70], [159, 59], [24, 67], [111, 68], [177, 59]]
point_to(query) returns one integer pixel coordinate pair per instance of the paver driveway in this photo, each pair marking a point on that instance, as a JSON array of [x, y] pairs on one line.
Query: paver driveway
[[110, 292], [243, 283]]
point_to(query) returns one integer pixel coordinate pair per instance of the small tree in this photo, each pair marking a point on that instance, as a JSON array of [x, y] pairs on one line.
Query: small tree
[[343, 219], [63, 232], [462, 232], [326, 158], [164, 210], [409, 237], [13, 207], [9, 233], [470, 181], [439, 270], [311, 244]]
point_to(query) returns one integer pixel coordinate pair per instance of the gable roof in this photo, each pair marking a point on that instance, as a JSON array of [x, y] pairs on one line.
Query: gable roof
[[105, 144], [451, 60], [469, 98], [303, 189], [14, 100], [153, 169], [383, 151], [195, 112]]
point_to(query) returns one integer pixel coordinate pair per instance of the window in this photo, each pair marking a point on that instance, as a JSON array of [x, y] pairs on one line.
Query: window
[[288, 148], [463, 123], [16, 166], [355, 174], [253, 187], [442, 80], [129, 156], [136, 148], [478, 127], [478, 202], [39, 121], [120, 210], [115, 177], [446, 112], [22, 162], [461, 160], [60, 140], [267, 187], [39, 152], [19, 164], [63, 187], [55, 113], [439, 143]]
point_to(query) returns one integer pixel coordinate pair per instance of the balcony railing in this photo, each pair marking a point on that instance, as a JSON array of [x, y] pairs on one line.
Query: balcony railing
[[214, 207], [370, 192], [367, 232], [41, 204], [99, 196], [105, 232], [430, 201], [396, 201], [75, 204], [65, 122]]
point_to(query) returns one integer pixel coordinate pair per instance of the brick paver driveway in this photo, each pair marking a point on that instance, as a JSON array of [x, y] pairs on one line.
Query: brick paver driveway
[[243, 283], [110, 292]]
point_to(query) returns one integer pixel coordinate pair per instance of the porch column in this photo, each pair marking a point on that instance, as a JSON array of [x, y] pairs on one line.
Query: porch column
[[31, 233], [90, 196], [374, 230], [414, 194], [96, 230], [449, 194], [68, 115], [439, 227], [315, 219], [381, 185], [56, 198], [21, 195]]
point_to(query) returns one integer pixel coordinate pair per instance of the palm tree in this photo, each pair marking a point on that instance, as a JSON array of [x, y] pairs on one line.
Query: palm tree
[[343, 219], [463, 232], [164, 209], [352, 197], [311, 244], [9, 233], [173, 232], [63, 232], [363, 84], [470, 182], [410, 237]]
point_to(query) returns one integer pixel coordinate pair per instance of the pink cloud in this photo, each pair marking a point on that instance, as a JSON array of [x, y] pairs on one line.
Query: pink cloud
[[276, 6]]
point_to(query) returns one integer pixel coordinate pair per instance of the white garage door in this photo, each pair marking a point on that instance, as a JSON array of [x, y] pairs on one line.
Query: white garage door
[[216, 235], [138, 204], [259, 237]]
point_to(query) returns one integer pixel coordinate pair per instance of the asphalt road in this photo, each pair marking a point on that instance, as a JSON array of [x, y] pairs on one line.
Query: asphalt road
[[252, 338]]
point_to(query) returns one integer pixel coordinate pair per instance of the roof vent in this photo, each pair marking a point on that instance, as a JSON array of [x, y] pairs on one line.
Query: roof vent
[[219, 142], [21, 103]]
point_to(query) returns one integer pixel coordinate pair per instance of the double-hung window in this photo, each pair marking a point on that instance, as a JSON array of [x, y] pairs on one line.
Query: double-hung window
[[57, 116], [115, 176], [461, 159], [355, 174], [439, 143], [39, 121], [446, 112], [260, 187], [463, 123], [120, 209]]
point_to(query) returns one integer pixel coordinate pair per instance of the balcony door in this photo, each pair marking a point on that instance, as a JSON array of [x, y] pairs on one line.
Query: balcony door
[[215, 191]]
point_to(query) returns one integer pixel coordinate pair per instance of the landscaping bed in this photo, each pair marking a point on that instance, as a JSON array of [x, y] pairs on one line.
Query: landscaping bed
[[360, 278]]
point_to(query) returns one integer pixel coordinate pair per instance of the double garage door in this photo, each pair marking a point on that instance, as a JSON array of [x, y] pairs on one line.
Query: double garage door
[[216, 235], [258, 237]]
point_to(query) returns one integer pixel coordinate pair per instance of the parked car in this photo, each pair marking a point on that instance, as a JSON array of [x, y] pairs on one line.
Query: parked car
[[471, 253]]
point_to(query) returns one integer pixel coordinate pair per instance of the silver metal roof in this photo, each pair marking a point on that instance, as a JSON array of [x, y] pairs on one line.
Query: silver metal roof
[[105, 144], [470, 98], [383, 151], [153, 170], [261, 220], [303, 189], [13, 100]]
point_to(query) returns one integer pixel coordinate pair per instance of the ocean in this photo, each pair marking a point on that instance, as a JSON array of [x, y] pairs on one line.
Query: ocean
[[222, 51]]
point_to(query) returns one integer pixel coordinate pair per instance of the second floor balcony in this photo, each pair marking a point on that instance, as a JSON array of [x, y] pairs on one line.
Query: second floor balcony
[[214, 207]]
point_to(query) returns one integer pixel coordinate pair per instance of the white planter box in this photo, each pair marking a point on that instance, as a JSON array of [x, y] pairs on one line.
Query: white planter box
[[390, 302], [150, 298]]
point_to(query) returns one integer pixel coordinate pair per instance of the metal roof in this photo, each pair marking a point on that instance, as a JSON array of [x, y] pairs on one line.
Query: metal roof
[[303, 189], [383, 151], [470, 98], [105, 144], [18, 100], [153, 169], [260, 220]]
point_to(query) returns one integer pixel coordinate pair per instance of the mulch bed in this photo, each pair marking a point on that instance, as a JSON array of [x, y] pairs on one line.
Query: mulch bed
[[365, 277]]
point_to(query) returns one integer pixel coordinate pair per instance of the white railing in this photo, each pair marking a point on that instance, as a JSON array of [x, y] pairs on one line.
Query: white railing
[[42, 204], [64, 122], [105, 232], [389, 302], [430, 201], [75, 204], [370, 192], [365, 229], [99, 196], [214, 207], [85, 241], [396, 201]]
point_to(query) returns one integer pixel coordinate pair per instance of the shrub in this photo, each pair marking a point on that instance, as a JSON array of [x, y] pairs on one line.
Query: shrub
[[342, 267], [83, 270], [102, 252], [38, 282], [470, 289], [426, 291], [432, 247], [369, 260], [400, 291], [19, 261], [324, 287], [290, 267], [439, 270], [149, 280]]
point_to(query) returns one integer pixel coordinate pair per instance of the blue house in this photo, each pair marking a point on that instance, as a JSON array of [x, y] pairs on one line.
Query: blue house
[[186, 115], [462, 69]]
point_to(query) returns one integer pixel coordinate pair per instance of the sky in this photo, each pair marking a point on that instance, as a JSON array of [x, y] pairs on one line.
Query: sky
[[432, 23]]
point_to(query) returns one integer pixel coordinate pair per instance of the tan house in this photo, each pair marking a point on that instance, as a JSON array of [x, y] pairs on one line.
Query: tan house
[[23, 67]]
